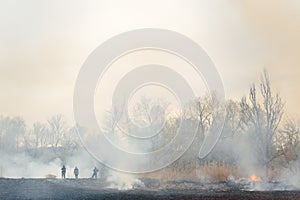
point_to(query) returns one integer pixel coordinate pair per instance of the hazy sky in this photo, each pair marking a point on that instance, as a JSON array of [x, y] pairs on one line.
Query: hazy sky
[[44, 43]]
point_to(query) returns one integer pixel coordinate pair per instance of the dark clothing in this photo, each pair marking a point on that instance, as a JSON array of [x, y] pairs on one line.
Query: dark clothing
[[63, 172], [95, 172], [76, 172]]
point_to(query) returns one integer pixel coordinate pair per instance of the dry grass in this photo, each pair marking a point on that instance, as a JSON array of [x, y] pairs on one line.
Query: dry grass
[[217, 171], [168, 174], [206, 172]]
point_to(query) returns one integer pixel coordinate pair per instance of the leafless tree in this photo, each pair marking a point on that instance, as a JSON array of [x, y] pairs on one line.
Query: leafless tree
[[287, 141], [41, 135], [57, 130], [11, 132], [233, 119], [262, 120], [201, 112]]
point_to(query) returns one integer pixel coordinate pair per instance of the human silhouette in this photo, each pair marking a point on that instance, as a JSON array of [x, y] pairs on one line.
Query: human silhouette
[[63, 172], [76, 172], [95, 172]]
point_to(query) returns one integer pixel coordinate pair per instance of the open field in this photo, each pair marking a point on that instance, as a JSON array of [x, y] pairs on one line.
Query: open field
[[96, 189]]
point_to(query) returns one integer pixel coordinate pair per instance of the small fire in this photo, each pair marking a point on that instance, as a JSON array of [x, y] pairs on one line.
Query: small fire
[[254, 178]]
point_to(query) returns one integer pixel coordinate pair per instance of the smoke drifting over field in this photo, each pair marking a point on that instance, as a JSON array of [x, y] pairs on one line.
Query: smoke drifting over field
[[257, 141], [22, 165]]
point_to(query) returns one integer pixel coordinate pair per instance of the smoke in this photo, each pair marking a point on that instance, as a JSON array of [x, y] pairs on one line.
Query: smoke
[[245, 153], [22, 165], [123, 181], [291, 174]]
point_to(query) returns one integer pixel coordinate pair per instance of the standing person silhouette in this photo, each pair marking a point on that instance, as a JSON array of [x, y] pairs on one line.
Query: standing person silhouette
[[76, 172], [63, 172], [95, 172]]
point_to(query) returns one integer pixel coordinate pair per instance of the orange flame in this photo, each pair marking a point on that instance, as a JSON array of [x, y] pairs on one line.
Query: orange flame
[[242, 179], [254, 178]]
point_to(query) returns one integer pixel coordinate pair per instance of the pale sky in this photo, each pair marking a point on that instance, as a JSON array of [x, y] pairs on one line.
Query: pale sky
[[44, 43]]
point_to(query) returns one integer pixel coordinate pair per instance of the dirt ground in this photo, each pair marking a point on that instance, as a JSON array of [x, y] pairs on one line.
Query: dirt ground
[[96, 189]]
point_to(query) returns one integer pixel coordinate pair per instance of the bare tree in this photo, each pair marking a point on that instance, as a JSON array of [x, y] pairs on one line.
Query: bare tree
[[202, 114], [57, 130], [262, 120], [41, 135], [233, 119], [11, 132], [226, 148], [287, 141], [71, 140]]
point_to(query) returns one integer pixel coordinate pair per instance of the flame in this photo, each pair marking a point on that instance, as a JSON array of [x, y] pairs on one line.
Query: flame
[[242, 179], [254, 178]]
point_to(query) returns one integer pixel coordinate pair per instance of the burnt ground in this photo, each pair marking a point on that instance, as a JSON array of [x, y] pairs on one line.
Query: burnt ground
[[96, 189]]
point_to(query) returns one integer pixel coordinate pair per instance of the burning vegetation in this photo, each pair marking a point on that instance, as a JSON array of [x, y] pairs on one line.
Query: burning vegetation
[[258, 150], [254, 178]]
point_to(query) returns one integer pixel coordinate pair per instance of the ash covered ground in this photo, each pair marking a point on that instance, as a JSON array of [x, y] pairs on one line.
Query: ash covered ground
[[143, 189]]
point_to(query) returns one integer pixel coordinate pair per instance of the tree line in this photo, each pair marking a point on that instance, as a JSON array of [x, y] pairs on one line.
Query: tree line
[[256, 132], [53, 135]]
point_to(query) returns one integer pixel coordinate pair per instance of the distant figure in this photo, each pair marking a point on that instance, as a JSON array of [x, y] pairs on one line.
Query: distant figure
[[95, 172], [76, 172], [63, 172]]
